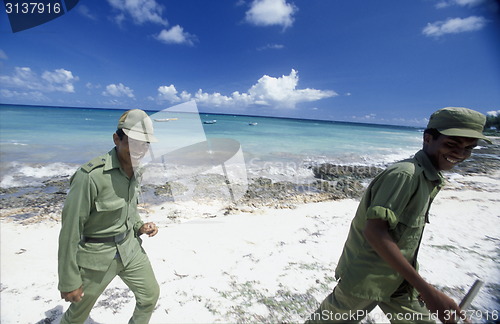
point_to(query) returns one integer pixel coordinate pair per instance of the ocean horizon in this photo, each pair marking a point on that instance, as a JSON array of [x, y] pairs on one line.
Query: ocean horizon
[[39, 142], [149, 111]]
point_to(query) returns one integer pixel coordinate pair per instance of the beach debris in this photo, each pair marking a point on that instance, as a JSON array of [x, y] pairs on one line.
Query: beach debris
[[180, 275], [251, 303], [115, 299], [174, 214]]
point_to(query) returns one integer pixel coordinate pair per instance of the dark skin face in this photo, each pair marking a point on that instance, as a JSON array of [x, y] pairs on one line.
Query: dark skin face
[[447, 151], [130, 152]]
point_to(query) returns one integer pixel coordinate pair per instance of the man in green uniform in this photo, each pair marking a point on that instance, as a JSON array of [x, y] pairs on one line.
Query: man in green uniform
[[99, 238], [378, 266]]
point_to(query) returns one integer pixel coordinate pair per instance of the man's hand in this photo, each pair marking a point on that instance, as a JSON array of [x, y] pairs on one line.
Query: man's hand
[[443, 306], [377, 234], [148, 228], [73, 296]]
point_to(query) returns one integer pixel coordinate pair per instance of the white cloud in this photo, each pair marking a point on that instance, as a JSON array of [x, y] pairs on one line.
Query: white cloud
[[271, 46], [60, 80], [24, 78], [150, 11], [175, 35], [462, 3], [271, 12], [168, 93], [374, 119], [367, 117], [493, 113], [85, 12], [416, 122], [283, 91], [442, 4], [24, 95], [269, 91], [454, 26], [118, 90], [90, 86], [141, 11], [3, 56]]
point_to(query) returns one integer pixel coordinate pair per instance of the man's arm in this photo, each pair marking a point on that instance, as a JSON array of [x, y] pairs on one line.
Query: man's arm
[[75, 213], [140, 227], [377, 234]]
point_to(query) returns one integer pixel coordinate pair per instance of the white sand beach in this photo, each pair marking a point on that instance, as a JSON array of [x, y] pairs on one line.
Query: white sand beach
[[257, 264]]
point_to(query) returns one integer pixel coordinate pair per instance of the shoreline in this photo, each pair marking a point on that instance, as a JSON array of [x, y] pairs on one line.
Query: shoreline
[[313, 183], [268, 258]]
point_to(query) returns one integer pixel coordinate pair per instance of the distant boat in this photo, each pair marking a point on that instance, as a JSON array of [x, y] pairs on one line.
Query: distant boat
[[164, 119], [210, 121], [252, 124]]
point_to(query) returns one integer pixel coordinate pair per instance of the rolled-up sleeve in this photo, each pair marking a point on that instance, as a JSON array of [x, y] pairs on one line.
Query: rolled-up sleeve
[[389, 197], [138, 224]]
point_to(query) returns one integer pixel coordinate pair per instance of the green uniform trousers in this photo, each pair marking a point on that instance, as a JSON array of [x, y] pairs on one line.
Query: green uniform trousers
[[138, 276], [339, 307]]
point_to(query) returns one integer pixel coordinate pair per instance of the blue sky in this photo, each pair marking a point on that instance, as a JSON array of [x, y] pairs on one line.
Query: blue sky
[[388, 61]]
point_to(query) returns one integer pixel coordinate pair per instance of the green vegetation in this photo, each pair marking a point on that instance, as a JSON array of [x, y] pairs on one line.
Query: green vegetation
[[492, 126]]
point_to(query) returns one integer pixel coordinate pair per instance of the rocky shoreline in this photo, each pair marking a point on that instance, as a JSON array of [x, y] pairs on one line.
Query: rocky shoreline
[[330, 182]]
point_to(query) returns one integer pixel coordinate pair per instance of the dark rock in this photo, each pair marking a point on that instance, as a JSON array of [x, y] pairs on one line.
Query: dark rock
[[330, 172]]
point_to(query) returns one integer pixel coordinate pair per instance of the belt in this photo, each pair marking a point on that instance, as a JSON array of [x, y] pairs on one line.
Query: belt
[[116, 239]]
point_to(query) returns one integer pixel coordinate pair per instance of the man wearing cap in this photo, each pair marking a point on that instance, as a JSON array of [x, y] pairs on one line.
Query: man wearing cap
[[99, 238], [378, 266]]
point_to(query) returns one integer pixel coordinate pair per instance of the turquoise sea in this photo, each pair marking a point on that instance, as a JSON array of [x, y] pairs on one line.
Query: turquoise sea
[[37, 143]]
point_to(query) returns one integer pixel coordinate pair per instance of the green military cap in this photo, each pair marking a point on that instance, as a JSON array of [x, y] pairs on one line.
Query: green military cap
[[137, 125], [457, 121]]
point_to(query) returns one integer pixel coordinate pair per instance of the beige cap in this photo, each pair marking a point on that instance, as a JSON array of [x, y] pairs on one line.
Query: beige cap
[[137, 125]]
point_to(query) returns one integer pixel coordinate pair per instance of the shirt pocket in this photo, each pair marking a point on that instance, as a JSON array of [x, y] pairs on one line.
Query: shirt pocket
[[109, 205], [408, 233]]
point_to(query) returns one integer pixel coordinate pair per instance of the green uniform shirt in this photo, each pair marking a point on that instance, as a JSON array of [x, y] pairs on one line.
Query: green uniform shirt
[[102, 202], [401, 195]]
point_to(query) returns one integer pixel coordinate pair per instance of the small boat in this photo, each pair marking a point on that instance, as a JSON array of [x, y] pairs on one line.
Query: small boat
[[164, 119], [210, 121], [252, 124]]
